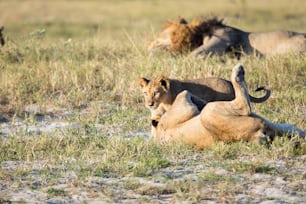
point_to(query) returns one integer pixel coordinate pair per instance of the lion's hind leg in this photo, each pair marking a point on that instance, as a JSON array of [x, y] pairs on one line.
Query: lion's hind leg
[[288, 129], [279, 129], [241, 103]]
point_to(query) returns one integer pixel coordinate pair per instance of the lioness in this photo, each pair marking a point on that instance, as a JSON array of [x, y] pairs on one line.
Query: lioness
[[162, 91], [218, 121]]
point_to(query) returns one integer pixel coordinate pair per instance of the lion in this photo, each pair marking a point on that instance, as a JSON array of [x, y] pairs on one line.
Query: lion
[[211, 36], [227, 121], [1, 36], [161, 92]]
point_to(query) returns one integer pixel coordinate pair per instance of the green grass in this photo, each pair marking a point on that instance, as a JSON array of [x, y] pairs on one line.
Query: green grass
[[55, 192], [61, 60]]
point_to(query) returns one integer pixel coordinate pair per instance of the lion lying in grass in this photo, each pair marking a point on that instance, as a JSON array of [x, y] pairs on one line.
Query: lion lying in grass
[[161, 92], [213, 37], [228, 121]]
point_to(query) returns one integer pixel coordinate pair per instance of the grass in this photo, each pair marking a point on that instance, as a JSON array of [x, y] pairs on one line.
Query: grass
[[55, 192], [63, 61]]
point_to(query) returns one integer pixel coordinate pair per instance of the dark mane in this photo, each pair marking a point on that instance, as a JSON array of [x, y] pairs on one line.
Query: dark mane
[[207, 26], [201, 28]]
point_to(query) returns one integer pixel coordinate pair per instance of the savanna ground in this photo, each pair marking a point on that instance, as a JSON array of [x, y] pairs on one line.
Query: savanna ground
[[73, 123]]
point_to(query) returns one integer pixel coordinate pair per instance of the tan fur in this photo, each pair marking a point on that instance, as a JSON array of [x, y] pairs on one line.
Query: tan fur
[[277, 42], [161, 92], [227, 121], [212, 36]]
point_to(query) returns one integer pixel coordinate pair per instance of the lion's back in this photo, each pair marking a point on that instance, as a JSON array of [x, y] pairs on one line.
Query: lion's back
[[278, 42], [210, 89]]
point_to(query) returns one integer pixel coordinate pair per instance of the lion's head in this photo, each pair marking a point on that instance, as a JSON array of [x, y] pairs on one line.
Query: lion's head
[[156, 91], [179, 36]]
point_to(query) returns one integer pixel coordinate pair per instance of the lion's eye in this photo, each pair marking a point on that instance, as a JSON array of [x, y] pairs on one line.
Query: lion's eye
[[156, 93]]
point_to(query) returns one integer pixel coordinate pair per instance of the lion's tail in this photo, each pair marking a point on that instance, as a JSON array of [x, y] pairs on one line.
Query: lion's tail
[[261, 99]]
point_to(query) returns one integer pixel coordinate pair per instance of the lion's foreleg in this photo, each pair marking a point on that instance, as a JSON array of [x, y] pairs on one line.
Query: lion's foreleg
[[182, 110]]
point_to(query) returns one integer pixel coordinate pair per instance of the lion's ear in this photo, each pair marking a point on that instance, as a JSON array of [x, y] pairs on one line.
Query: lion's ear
[[165, 82], [180, 20], [195, 22], [143, 82]]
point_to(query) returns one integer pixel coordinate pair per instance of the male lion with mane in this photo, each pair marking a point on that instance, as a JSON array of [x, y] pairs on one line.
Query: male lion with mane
[[211, 36], [227, 121]]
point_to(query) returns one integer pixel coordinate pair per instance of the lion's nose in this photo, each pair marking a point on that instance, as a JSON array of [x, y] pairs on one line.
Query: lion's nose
[[154, 123], [150, 104]]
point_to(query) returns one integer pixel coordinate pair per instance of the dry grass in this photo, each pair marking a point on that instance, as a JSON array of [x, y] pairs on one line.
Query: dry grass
[[71, 54]]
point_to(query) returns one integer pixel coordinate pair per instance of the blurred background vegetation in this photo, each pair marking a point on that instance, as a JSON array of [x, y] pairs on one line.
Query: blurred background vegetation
[[66, 53]]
